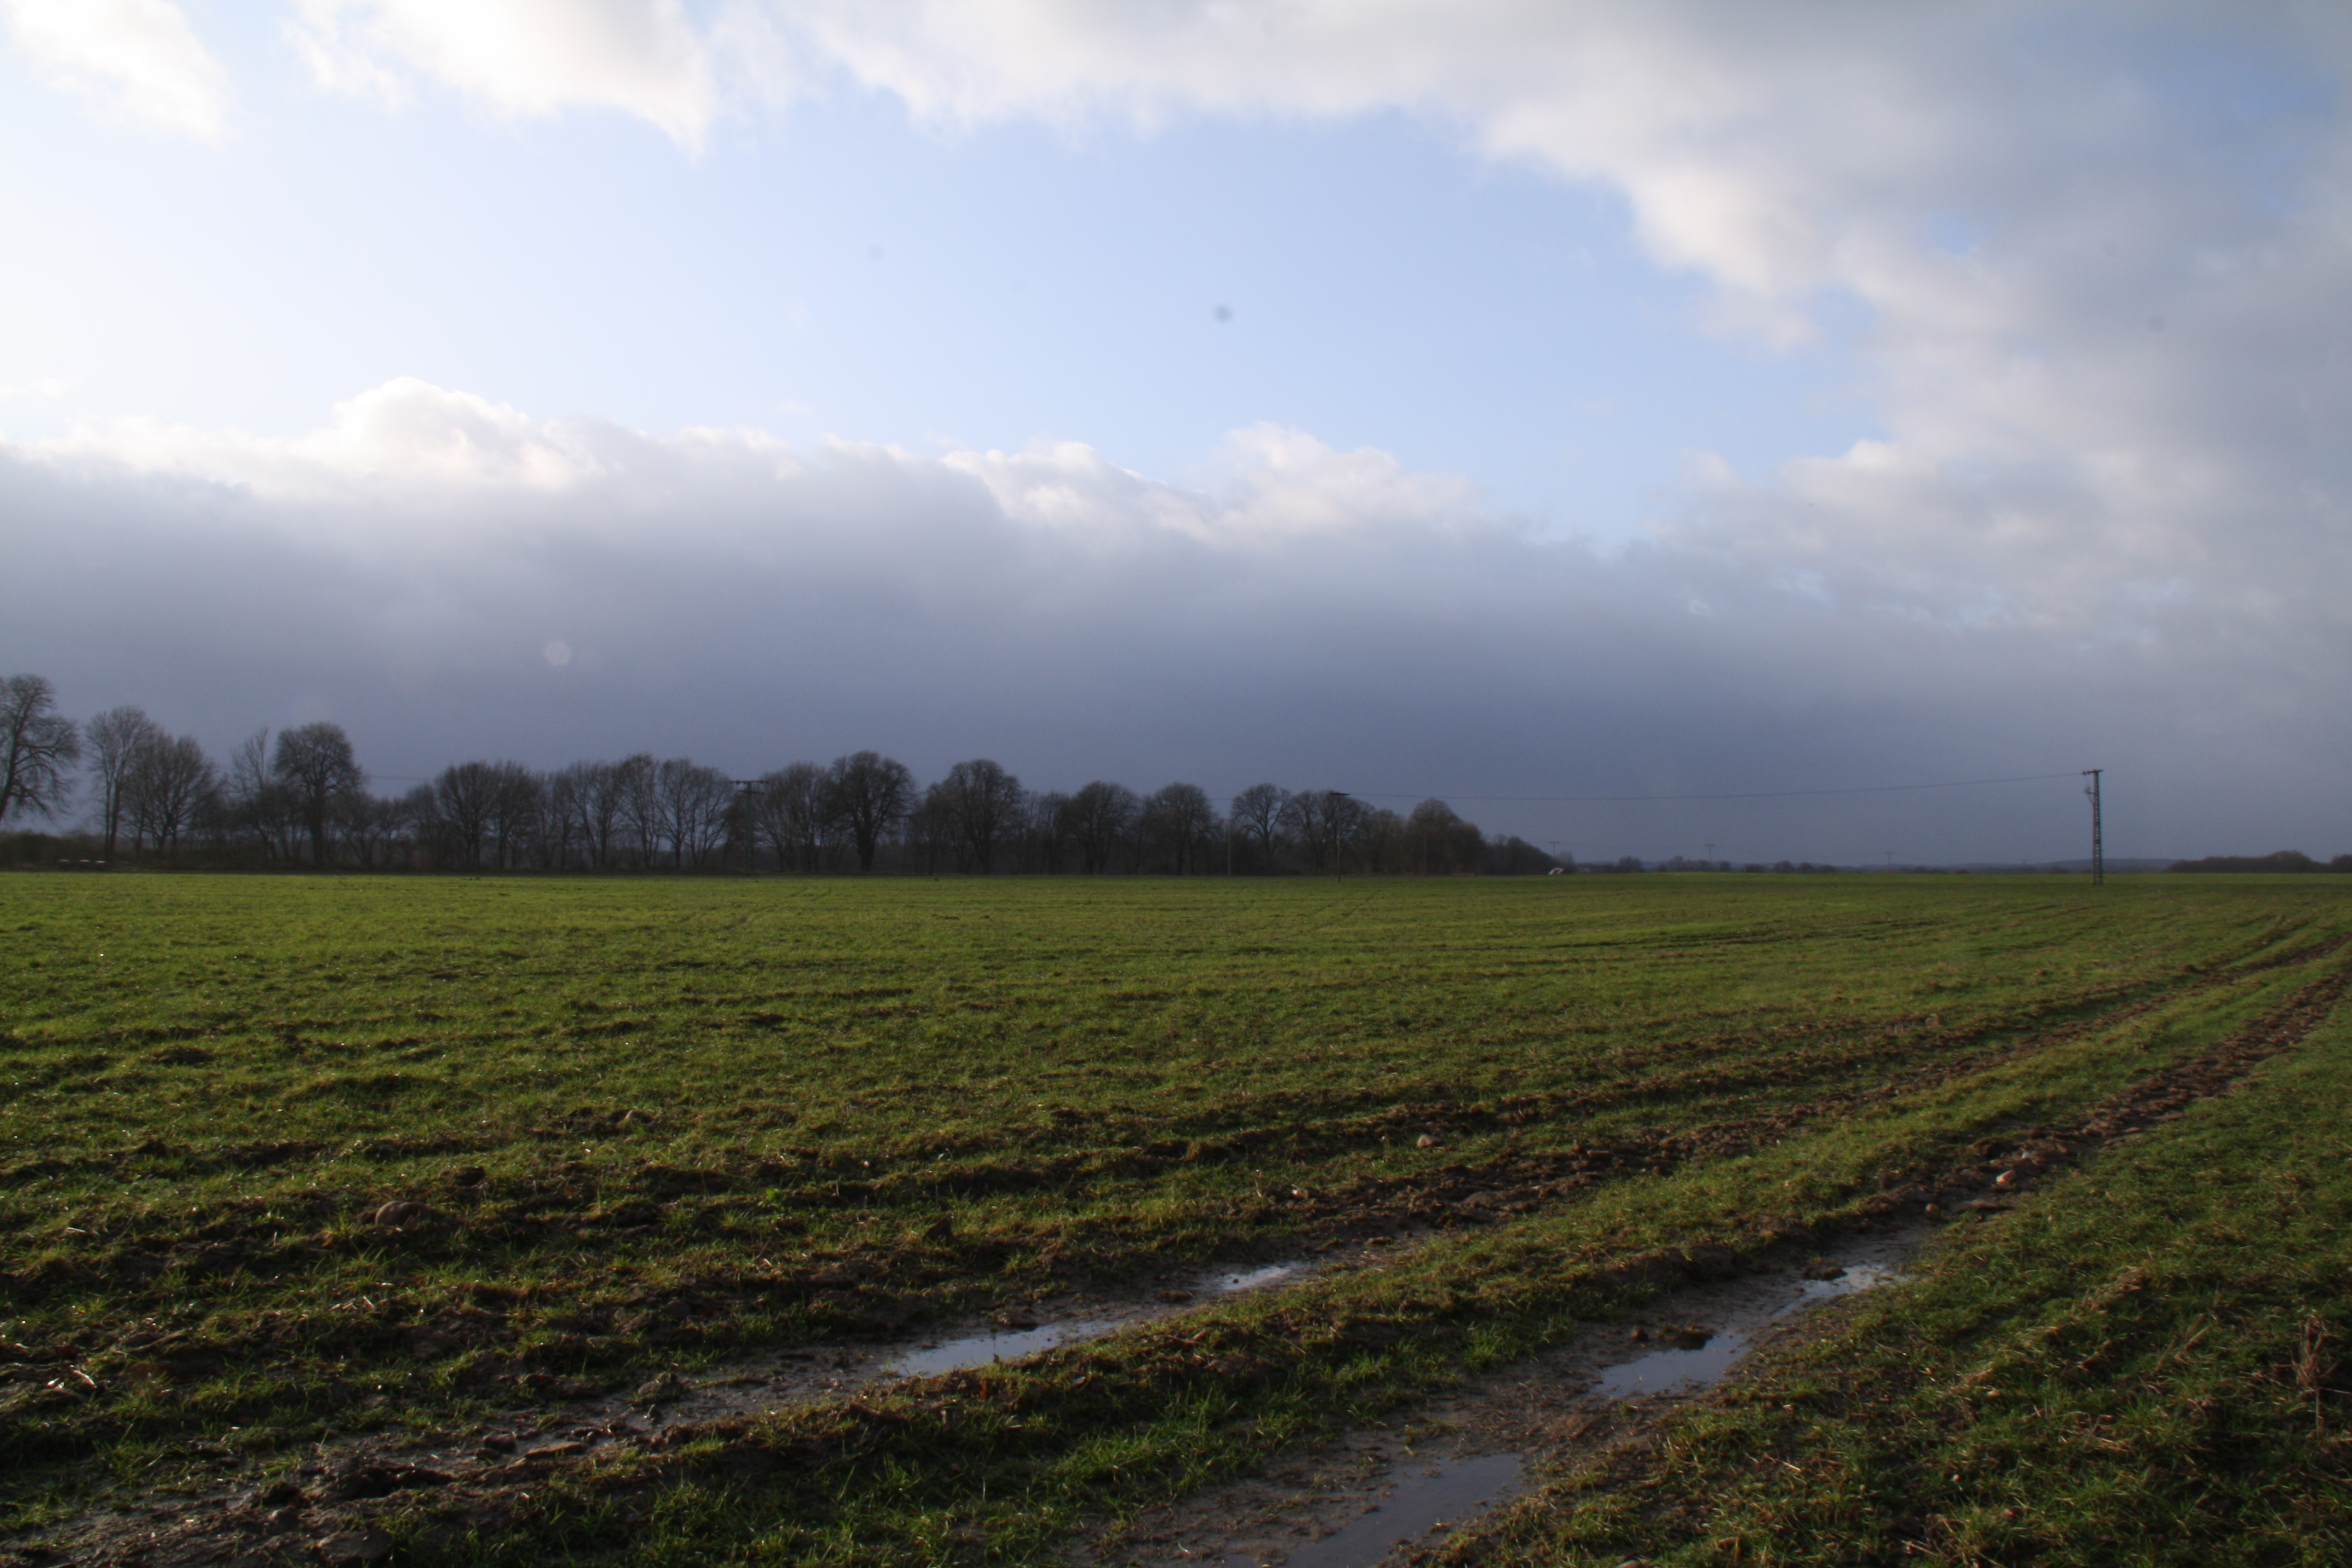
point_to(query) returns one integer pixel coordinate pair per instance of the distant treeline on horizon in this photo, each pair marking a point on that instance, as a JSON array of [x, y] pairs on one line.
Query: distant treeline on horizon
[[304, 799], [2281, 861]]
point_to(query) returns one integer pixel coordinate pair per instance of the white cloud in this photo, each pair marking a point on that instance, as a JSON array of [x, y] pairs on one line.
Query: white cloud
[[1999, 199], [138, 58], [525, 58], [2049, 453]]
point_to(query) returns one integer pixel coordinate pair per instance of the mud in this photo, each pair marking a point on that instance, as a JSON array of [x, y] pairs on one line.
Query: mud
[[315, 1513], [1376, 1497], [1380, 1492]]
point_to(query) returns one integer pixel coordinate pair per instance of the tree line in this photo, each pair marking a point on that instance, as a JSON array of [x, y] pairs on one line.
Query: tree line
[[2278, 860], [301, 797]]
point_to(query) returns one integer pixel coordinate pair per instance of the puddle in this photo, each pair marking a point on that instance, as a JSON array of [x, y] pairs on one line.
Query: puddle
[[1255, 1278], [1453, 1492], [980, 1350], [1372, 1496], [1678, 1368], [990, 1346]]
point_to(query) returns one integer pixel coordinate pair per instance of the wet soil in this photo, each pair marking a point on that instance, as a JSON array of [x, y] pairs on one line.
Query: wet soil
[[324, 1509], [1381, 1495], [1379, 1492]]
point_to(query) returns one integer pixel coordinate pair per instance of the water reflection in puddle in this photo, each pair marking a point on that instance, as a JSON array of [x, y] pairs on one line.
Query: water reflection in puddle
[[980, 1350], [1254, 1279], [1011, 1344], [1456, 1492], [1672, 1370]]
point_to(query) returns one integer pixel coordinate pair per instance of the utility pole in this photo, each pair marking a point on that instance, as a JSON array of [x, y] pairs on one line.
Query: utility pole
[[1890, 862], [2098, 848], [1338, 831], [1710, 854]]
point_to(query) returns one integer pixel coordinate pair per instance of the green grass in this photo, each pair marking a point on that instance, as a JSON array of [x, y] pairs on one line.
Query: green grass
[[758, 1099], [2146, 1364]]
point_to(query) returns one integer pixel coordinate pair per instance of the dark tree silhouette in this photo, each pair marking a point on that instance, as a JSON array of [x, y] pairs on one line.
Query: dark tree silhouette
[[314, 765], [116, 739], [869, 793], [37, 748], [1180, 820], [465, 800], [1100, 816], [171, 784], [983, 802], [1257, 815], [793, 811]]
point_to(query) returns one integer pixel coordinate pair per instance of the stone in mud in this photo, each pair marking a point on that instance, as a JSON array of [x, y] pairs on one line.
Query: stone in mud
[[1425, 1141], [1824, 1270], [1688, 1338]]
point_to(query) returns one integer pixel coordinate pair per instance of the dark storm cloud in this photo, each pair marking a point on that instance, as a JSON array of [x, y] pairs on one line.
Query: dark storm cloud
[[448, 578]]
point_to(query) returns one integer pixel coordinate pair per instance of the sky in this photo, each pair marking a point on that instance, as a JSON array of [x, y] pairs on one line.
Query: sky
[[1518, 403]]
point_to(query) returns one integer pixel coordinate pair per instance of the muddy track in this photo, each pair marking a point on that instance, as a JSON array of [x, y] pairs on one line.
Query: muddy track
[[335, 1512], [1444, 1461]]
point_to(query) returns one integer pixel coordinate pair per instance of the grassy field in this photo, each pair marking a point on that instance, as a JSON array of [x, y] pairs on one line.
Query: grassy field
[[288, 1159]]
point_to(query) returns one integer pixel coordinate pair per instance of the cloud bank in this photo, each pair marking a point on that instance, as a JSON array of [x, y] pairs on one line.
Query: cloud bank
[[1322, 618]]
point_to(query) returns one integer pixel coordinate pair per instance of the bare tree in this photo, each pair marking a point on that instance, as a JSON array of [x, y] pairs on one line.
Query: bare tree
[[420, 814], [932, 830], [584, 810], [694, 807], [257, 807], [1180, 820], [638, 796], [1326, 824], [1381, 841], [985, 802], [792, 809], [115, 738], [1439, 843], [37, 748], [869, 793], [1100, 816], [171, 784], [465, 800], [565, 831], [1257, 815], [516, 800], [1048, 835], [314, 765], [368, 825]]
